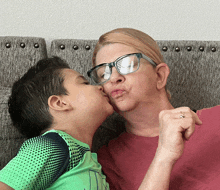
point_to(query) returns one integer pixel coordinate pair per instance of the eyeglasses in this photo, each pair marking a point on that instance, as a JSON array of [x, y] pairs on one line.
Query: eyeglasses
[[125, 64]]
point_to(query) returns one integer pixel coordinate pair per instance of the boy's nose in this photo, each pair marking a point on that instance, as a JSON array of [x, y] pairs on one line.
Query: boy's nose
[[100, 88]]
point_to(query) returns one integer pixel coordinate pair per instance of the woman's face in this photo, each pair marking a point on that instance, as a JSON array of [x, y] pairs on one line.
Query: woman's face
[[126, 92]]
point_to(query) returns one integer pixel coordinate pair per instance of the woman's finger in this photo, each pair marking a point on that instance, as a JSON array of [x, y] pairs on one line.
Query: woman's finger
[[189, 131], [197, 120], [184, 112]]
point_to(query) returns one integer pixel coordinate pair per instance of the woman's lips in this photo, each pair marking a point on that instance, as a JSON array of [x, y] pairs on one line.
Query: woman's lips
[[117, 93]]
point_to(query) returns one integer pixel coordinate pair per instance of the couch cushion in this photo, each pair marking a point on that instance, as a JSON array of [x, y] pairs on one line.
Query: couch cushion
[[17, 54], [194, 72], [10, 138], [77, 53]]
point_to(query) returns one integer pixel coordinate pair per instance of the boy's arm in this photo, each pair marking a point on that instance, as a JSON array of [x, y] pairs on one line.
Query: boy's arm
[[3, 186], [40, 161], [176, 126]]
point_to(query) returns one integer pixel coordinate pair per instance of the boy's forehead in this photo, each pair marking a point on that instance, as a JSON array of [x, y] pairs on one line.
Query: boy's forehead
[[70, 73]]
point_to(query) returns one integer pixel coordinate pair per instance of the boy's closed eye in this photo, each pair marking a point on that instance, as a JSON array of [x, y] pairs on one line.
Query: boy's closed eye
[[87, 83], [83, 79]]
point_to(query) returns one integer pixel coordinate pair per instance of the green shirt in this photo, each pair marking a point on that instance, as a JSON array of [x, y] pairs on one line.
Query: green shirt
[[40, 160]]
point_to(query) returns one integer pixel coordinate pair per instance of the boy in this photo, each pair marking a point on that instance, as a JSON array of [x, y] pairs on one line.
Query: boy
[[57, 103]]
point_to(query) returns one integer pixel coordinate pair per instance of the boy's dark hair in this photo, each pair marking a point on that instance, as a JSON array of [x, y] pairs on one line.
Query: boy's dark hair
[[28, 103]]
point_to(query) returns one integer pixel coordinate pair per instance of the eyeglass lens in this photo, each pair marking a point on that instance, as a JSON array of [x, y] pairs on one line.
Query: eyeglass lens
[[125, 65]]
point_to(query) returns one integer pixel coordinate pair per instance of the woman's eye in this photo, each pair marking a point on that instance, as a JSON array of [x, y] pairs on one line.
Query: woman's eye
[[87, 83]]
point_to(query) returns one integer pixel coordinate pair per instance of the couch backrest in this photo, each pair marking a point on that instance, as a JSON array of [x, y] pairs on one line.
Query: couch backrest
[[17, 54], [193, 81]]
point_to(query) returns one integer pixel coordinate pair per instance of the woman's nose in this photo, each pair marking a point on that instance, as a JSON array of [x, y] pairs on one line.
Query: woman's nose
[[116, 77]]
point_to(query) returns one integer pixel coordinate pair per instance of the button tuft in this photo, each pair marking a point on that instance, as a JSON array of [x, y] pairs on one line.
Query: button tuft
[[177, 49], [7, 45], [164, 48], [213, 49], [36, 45], [75, 47], [62, 46], [189, 48], [22, 45], [201, 48], [87, 47]]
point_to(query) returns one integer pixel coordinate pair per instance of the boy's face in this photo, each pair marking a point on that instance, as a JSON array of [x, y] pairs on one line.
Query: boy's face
[[85, 99]]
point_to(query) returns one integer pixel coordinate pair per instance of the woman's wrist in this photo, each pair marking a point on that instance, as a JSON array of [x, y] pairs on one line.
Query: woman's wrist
[[164, 156]]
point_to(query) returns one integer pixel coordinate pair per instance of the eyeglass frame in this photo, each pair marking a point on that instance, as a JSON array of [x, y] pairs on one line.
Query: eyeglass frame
[[114, 64]]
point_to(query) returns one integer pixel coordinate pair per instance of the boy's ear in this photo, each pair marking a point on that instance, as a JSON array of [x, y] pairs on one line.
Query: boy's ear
[[163, 72], [58, 103]]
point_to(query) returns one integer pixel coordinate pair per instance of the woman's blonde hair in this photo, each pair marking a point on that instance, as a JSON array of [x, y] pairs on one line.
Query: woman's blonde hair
[[133, 38]]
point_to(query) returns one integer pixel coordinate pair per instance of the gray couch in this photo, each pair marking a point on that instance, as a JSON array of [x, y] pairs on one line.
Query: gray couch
[[194, 80]]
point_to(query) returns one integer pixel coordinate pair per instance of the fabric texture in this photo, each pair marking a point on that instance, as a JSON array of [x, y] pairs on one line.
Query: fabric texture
[[126, 159], [22, 53], [194, 75], [54, 160], [17, 54]]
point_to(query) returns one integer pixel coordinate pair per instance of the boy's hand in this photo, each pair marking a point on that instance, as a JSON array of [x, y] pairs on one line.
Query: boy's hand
[[176, 126]]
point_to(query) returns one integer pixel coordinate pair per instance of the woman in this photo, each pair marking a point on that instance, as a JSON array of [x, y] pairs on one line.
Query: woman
[[129, 66]]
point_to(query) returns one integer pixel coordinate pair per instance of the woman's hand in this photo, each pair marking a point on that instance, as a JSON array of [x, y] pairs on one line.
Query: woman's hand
[[176, 126]]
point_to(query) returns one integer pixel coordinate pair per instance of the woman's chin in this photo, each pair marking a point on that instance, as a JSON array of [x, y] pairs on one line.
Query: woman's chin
[[123, 108]]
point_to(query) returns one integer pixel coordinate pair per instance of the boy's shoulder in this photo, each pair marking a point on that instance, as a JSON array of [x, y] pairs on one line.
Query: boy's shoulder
[[69, 140], [77, 149], [49, 142], [40, 160]]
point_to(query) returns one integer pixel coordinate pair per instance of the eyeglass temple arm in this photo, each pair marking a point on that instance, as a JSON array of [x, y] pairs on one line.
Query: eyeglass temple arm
[[148, 59]]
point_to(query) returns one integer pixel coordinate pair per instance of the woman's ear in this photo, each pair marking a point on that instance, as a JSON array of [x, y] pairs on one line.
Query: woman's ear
[[163, 72], [58, 103]]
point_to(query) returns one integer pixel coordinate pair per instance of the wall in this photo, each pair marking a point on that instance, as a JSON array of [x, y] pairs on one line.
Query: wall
[[88, 19]]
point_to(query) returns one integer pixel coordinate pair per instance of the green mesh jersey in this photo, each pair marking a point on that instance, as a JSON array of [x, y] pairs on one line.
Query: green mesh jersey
[[46, 162]]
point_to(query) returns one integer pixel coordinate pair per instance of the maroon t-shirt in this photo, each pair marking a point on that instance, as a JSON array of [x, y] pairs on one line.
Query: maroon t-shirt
[[126, 159]]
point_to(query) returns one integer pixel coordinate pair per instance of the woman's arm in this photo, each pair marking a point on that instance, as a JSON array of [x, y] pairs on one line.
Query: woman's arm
[[176, 126], [158, 174]]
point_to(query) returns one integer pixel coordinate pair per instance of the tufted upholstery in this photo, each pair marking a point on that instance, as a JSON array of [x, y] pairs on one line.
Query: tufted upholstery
[[17, 54], [195, 74], [193, 81], [77, 53]]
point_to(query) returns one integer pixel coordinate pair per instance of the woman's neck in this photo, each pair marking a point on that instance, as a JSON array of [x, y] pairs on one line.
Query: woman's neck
[[144, 119]]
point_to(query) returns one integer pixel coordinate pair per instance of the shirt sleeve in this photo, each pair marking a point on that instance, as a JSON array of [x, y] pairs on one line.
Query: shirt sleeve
[[39, 162]]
